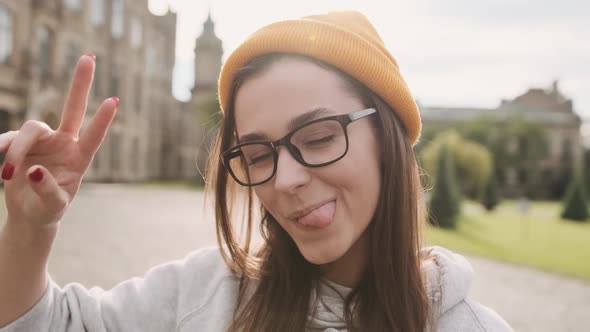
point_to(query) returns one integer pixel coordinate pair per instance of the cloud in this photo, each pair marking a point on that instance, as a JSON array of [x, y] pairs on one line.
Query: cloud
[[460, 52], [512, 12]]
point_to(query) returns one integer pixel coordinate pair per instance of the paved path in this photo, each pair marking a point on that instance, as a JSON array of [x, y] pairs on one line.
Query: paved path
[[531, 300], [114, 232]]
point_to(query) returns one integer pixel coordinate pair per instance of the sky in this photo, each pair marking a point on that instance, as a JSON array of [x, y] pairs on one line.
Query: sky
[[454, 53]]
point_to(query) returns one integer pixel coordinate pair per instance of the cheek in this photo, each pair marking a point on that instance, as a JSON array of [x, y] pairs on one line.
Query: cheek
[[364, 180], [267, 197], [364, 160]]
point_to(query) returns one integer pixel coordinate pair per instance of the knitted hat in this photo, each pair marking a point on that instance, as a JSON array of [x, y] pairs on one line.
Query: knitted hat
[[346, 40]]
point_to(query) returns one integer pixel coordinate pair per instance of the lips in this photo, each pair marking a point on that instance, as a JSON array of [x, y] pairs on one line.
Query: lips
[[319, 217]]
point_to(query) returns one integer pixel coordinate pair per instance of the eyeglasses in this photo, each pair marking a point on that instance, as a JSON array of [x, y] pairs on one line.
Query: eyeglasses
[[315, 144]]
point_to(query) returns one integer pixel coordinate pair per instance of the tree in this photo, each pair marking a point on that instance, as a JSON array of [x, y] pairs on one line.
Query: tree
[[533, 144], [209, 111], [445, 201], [537, 182], [487, 131], [208, 116], [513, 143], [565, 173], [576, 203], [490, 196], [586, 169], [471, 160]]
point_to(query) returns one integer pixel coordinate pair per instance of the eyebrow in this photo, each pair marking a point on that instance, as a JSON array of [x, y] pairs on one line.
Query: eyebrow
[[293, 123]]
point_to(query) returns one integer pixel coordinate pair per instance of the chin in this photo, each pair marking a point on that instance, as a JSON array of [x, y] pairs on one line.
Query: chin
[[321, 255]]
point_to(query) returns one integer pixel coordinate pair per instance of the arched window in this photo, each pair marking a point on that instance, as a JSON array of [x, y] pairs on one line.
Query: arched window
[[117, 19], [72, 54], [73, 4], [115, 80], [136, 32], [45, 39], [115, 152], [97, 12], [5, 34]]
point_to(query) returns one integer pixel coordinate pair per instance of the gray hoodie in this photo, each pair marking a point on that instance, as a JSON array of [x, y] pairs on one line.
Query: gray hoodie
[[199, 293]]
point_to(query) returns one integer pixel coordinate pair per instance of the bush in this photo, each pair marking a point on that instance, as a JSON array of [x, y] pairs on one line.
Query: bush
[[470, 159], [586, 168], [445, 201], [490, 196], [575, 204]]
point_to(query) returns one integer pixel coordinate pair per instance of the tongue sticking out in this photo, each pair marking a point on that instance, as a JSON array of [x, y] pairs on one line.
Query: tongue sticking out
[[320, 217]]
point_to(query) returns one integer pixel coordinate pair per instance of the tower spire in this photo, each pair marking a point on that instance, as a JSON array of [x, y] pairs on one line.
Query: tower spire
[[209, 26]]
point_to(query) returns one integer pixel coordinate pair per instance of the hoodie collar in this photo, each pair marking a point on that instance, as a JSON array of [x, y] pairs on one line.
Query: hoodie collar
[[448, 277]]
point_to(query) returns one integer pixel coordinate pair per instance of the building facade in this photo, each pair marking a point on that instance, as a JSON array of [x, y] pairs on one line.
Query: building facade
[[40, 43], [155, 136], [208, 55], [547, 107]]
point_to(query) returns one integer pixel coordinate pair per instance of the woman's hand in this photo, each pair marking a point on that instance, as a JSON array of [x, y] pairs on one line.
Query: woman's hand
[[43, 168]]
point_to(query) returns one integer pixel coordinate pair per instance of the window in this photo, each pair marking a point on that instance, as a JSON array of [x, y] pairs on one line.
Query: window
[[72, 4], [71, 60], [155, 65], [97, 12], [117, 19], [5, 34], [115, 80], [115, 151], [96, 162], [135, 164], [150, 61], [138, 92], [97, 84], [44, 36], [136, 32]]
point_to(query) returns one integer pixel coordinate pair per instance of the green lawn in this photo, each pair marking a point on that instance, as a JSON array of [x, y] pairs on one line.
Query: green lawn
[[539, 239]]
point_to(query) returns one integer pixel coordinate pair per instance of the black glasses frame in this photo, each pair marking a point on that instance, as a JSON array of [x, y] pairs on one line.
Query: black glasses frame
[[344, 120]]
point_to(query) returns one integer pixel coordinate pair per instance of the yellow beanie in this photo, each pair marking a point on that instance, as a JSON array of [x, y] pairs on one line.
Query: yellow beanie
[[346, 40]]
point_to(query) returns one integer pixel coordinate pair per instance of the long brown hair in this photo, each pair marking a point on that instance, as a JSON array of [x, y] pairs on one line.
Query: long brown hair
[[277, 281]]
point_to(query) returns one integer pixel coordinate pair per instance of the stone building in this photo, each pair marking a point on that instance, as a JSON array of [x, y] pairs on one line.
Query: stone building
[[155, 136], [40, 42], [547, 107], [208, 54]]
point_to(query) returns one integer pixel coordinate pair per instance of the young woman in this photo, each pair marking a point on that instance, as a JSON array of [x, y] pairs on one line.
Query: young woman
[[316, 140]]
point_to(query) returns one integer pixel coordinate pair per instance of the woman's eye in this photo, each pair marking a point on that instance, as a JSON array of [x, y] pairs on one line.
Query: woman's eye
[[320, 140], [258, 159]]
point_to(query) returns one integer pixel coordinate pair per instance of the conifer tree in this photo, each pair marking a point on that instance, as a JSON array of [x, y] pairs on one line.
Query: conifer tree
[[445, 201]]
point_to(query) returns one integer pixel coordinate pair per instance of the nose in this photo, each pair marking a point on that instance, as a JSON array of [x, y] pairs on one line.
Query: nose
[[290, 173]]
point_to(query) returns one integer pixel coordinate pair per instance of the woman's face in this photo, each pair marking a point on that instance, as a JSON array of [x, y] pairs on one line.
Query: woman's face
[[325, 210]]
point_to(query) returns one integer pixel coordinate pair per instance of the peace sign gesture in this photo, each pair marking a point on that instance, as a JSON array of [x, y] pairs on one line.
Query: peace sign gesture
[[43, 168]]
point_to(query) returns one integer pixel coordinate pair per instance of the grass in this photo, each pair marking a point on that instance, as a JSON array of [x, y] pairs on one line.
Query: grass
[[539, 239]]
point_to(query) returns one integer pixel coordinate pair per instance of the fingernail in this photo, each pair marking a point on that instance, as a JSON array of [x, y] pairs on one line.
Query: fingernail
[[91, 55], [7, 171], [37, 175], [116, 100]]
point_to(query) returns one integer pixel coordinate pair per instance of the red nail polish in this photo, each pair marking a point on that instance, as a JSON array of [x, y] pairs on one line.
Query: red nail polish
[[7, 171], [116, 99], [37, 175], [91, 55]]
